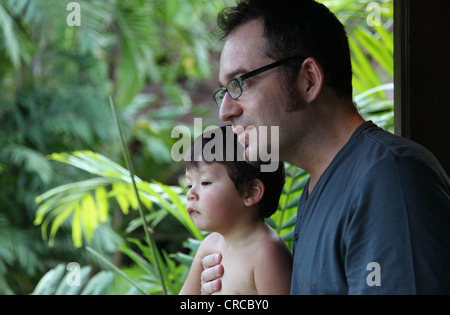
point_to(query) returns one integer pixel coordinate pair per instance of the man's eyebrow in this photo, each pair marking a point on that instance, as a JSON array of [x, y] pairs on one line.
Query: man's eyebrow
[[233, 74]]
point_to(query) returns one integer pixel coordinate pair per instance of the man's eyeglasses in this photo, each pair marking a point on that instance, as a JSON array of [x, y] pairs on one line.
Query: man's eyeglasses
[[234, 87]]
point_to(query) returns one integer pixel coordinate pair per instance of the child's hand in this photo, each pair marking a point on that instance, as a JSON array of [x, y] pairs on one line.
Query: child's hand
[[212, 271]]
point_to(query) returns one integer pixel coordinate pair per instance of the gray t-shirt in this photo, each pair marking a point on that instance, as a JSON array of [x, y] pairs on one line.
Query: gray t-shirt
[[377, 222]]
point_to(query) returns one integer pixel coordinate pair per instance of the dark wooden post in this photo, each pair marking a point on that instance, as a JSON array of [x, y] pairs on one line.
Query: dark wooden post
[[422, 74]]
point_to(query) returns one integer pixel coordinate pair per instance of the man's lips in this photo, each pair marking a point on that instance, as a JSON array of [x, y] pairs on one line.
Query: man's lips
[[238, 130], [245, 134]]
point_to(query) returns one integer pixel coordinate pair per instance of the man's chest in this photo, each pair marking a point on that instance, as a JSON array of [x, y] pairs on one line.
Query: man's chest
[[319, 247]]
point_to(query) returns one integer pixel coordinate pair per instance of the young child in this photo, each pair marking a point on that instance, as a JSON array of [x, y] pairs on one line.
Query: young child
[[231, 199]]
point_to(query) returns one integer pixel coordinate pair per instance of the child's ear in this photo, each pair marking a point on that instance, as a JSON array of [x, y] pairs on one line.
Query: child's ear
[[254, 193]]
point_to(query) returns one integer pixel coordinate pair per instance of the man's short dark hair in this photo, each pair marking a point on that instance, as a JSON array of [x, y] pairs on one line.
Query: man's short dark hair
[[242, 174], [303, 28]]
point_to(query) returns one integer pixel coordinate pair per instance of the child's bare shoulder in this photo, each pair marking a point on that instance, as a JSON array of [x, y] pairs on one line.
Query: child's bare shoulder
[[210, 244], [272, 245], [273, 266]]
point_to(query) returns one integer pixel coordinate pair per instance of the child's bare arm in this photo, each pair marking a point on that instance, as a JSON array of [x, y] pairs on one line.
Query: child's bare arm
[[273, 270], [192, 286]]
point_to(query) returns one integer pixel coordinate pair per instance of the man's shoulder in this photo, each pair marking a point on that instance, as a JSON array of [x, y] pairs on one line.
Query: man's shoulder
[[378, 163], [399, 174], [406, 156], [374, 146], [382, 142]]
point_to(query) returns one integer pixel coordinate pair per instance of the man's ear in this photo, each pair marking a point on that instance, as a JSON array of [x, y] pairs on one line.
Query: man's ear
[[310, 79], [254, 193]]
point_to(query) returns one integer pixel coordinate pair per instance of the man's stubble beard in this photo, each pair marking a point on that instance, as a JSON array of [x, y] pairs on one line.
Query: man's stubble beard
[[288, 105]]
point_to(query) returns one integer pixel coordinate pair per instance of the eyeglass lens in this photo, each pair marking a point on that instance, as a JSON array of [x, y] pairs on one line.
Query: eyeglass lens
[[233, 88]]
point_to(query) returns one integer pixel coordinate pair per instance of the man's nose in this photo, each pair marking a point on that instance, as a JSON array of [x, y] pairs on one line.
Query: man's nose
[[229, 109]]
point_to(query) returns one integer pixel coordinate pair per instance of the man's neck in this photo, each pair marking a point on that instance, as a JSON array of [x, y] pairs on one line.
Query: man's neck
[[330, 131]]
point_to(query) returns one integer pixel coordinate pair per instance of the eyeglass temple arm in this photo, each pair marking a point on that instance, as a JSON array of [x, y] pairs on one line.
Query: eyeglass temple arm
[[268, 67]]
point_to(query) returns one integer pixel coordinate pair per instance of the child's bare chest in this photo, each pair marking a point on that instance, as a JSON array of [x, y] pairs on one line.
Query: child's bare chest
[[238, 277]]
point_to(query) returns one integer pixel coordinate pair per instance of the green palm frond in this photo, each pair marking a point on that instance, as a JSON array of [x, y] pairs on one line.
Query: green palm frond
[[284, 219], [10, 37], [86, 203], [372, 52], [18, 255], [62, 280], [31, 160]]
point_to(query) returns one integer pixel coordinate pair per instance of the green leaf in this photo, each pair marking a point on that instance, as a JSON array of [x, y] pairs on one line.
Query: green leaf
[[99, 284], [121, 193], [77, 235], [289, 223], [141, 262], [65, 289], [101, 199], [379, 50], [184, 259], [117, 270], [58, 221], [10, 39], [362, 69], [89, 216], [48, 284]]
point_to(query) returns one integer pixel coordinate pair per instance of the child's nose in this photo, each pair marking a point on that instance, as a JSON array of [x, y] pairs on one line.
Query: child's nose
[[191, 194]]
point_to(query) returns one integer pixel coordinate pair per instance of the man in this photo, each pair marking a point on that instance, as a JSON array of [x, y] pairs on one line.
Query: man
[[374, 217]]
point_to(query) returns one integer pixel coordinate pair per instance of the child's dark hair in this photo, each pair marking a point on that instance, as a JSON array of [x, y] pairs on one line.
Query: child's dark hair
[[229, 152]]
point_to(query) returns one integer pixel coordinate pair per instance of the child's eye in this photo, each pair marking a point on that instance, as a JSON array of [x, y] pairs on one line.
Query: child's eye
[[205, 183]]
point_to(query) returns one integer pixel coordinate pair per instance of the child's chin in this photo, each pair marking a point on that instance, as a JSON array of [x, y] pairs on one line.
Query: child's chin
[[204, 227], [201, 226]]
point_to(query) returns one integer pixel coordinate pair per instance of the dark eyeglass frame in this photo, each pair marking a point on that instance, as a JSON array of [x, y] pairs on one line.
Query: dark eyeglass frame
[[220, 94]]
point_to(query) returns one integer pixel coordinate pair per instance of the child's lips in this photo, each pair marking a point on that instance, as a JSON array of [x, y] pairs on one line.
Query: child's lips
[[191, 211]]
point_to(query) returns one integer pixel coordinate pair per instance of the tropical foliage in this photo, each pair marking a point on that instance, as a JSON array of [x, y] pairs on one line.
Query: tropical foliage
[[67, 194]]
